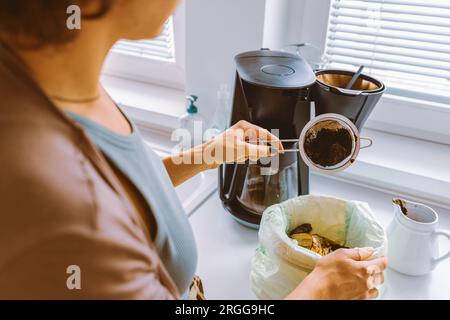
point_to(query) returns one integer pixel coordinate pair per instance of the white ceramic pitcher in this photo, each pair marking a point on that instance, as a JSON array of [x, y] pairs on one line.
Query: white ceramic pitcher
[[412, 239]]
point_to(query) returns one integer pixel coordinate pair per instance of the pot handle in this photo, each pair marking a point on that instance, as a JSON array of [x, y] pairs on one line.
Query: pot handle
[[369, 144], [348, 91], [447, 235]]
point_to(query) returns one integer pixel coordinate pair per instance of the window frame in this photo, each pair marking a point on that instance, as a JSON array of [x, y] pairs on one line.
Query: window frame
[[158, 72], [420, 119]]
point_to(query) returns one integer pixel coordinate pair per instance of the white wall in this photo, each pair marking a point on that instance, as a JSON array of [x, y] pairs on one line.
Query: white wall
[[295, 21], [276, 23], [217, 30], [305, 18]]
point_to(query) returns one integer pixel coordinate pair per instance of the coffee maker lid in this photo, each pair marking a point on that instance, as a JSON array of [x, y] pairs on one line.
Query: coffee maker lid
[[274, 69]]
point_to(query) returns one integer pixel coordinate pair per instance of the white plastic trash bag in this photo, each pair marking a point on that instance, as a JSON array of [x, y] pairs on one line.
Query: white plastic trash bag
[[279, 264]]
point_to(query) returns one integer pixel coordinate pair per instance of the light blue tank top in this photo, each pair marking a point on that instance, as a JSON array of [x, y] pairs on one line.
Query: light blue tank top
[[174, 239]]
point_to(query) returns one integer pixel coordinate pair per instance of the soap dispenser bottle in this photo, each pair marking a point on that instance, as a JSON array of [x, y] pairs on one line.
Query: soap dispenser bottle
[[193, 122]]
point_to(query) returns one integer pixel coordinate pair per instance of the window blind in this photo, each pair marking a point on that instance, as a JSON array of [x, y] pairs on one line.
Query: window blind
[[404, 43], [160, 48]]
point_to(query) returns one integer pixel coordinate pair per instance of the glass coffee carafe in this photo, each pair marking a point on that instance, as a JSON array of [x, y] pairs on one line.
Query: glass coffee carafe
[[268, 182]]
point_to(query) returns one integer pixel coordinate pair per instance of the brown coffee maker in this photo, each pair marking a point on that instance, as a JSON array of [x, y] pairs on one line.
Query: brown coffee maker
[[274, 90]]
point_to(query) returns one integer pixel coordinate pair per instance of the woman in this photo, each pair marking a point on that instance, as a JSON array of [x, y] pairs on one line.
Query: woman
[[87, 212]]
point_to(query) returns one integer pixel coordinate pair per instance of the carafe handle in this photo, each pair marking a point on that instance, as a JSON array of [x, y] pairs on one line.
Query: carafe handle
[[225, 195], [447, 235], [228, 195]]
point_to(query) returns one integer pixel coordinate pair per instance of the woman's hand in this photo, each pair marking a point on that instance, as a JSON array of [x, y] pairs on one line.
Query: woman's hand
[[343, 275], [243, 141]]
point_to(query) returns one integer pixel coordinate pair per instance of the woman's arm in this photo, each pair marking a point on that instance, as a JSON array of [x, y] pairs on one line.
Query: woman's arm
[[241, 142], [180, 172]]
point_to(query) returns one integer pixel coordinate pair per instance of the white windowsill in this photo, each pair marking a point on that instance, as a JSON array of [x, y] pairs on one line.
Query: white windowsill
[[412, 168], [412, 118], [150, 106]]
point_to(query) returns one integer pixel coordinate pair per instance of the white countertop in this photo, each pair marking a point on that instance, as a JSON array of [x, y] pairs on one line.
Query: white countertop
[[226, 247]]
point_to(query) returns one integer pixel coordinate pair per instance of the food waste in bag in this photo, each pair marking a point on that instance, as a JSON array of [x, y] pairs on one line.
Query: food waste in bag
[[312, 241]]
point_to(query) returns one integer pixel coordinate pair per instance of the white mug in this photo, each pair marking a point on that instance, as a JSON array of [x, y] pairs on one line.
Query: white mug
[[412, 239]]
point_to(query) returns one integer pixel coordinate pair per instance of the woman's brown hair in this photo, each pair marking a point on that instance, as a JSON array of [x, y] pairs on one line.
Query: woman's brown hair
[[36, 23]]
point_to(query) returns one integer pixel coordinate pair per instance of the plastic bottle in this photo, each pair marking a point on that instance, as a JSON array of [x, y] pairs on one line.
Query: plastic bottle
[[193, 122], [221, 114]]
